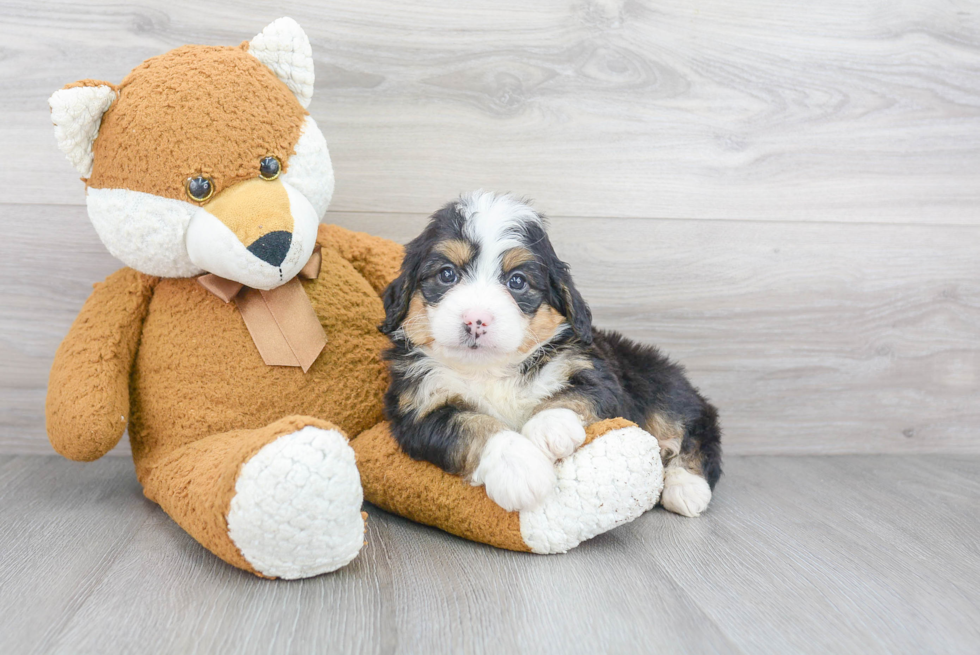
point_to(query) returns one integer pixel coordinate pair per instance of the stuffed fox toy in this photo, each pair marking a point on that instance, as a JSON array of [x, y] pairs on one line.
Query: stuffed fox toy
[[240, 345]]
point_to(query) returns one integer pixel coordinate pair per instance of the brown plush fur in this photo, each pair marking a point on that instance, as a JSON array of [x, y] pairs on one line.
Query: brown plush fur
[[198, 372], [96, 358], [424, 493], [195, 483], [173, 361], [233, 96], [178, 363]]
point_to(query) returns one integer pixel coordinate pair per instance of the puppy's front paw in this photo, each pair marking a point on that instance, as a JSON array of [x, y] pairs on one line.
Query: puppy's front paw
[[516, 473], [684, 492], [558, 432]]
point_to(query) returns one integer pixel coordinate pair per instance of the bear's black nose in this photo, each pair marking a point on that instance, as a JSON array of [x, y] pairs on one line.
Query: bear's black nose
[[272, 247]]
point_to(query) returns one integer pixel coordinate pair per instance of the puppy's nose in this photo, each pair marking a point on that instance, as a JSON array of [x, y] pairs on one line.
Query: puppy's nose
[[272, 247], [476, 322]]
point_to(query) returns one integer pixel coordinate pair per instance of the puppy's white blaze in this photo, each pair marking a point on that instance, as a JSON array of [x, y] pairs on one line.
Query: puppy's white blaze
[[496, 223], [310, 171], [144, 231], [215, 248], [504, 335]]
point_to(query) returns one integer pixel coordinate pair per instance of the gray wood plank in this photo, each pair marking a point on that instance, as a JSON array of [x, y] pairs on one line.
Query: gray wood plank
[[64, 525], [413, 590], [751, 110], [843, 554], [877, 506], [792, 533], [811, 338]]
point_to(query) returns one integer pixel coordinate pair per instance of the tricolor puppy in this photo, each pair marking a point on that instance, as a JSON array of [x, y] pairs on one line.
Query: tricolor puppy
[[496, 367]]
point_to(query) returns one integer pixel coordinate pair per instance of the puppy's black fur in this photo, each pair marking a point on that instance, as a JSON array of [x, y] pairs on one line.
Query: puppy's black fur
[[615, 376]]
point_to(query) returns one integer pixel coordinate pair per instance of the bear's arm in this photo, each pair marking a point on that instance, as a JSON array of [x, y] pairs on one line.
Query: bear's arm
[[377, 259], [87, 406]]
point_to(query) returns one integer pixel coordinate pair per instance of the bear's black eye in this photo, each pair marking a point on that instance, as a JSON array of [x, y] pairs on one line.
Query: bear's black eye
[[517, 282], [199, 188], [269, 168], [447, 275]]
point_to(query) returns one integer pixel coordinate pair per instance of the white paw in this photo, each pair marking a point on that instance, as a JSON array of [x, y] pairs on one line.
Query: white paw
[[555, 431], [685, 493], [516, 473], [296, 512]]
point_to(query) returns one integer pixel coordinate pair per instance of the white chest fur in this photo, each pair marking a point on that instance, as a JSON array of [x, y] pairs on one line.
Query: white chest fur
[[499, 392]]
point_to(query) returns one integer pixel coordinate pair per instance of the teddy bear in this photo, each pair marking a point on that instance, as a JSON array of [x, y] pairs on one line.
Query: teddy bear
[[240, 346]]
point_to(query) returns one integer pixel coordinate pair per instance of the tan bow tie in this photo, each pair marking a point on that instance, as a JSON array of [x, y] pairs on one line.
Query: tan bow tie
[[282, 322]]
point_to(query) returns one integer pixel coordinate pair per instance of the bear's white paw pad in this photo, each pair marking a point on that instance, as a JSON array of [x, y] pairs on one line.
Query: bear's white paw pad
[[516, 473], [684, 492], [558, 432], [296, 512]]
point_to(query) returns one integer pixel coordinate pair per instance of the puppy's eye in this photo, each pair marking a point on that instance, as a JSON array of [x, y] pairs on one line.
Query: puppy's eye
[[447, 275], [269, 168], [517, 282], [199, 188]]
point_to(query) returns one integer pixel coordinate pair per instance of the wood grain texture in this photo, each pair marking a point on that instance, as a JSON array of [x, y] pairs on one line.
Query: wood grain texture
[[751, 110], [810, 337], [64, 526], [852, 554]]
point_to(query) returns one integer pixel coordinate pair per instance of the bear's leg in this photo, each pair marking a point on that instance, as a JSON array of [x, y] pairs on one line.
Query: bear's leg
[[615, 477], [283, 501]]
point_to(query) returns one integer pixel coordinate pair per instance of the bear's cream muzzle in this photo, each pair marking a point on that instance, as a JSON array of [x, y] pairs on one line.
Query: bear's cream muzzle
[[258, 233]]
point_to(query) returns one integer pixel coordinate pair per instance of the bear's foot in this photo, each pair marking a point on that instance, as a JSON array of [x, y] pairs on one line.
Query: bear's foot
[[296, 511], [281, 501], [610, 481]]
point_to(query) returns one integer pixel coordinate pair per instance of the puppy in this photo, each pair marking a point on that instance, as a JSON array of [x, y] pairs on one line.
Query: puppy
[[496, 367]]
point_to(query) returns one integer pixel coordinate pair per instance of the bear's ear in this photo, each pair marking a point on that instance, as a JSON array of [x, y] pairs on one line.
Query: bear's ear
[[76, 112], [283, 47]]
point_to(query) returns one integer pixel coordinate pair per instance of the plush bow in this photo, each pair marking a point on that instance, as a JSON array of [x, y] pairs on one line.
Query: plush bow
[[282, 322]]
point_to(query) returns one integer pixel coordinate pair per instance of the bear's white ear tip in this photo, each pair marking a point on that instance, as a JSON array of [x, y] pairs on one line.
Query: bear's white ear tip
[[284, 47], [284, 25], [76, 114]]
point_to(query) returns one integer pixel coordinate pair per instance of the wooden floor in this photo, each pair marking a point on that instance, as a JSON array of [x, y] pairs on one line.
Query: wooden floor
[[831, 554]]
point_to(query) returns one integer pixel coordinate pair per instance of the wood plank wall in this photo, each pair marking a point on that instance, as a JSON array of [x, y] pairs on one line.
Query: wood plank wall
[[784, 196]]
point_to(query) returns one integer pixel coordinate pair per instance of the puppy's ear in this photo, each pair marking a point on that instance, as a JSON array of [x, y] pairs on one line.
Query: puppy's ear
[[396, 299], [398, 294], [569, 301]]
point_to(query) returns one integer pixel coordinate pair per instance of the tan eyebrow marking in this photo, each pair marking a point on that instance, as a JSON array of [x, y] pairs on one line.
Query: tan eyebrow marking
[[515, 257], [457, 251]]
